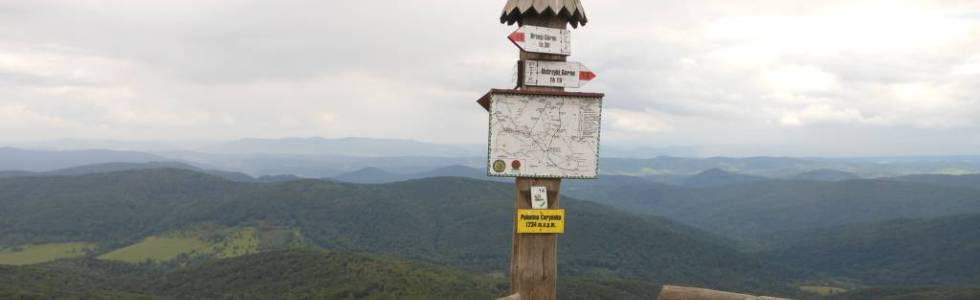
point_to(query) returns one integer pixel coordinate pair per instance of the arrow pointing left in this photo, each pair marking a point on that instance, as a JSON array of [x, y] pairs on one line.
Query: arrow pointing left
[[543, 40]]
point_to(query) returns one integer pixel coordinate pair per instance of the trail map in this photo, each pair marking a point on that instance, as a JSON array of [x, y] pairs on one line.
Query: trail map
[[544, 136]]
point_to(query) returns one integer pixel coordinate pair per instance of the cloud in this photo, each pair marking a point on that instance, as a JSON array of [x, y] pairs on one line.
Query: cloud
[[675, 73], [637, 121]]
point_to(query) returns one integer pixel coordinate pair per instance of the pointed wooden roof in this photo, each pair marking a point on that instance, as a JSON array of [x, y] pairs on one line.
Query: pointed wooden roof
[[571, 9]]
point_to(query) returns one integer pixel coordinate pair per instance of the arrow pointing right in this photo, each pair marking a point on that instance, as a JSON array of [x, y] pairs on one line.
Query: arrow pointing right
[[557, 74]]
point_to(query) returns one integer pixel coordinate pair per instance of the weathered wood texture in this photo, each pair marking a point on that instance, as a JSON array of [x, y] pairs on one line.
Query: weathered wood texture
[[534, 257], [511, 297], [671, 292], [570, 11]]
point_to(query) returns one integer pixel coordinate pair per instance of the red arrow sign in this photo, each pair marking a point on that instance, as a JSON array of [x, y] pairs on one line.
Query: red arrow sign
[[556, 74], [517, 37], [542, 40]]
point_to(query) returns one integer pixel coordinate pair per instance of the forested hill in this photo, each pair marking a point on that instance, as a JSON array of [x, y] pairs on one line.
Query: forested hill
[[900, 252], [288, 274], [456, 222], [759, 210]]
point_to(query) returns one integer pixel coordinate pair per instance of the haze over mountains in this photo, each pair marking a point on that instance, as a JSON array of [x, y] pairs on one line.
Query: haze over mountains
[[767, 225], [322, 158]]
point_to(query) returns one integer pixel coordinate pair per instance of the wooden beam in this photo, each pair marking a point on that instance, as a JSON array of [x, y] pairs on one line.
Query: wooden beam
[[671, 292], [511, 297]]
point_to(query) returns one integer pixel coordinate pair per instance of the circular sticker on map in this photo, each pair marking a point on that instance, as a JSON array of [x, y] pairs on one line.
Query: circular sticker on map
[[499, 166], [515, 164]]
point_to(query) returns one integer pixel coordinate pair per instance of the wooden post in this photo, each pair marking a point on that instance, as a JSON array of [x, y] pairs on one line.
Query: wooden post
[[534, 257]]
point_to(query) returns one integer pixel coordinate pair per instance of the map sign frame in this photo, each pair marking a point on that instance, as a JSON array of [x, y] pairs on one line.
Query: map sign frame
[[529, 150]]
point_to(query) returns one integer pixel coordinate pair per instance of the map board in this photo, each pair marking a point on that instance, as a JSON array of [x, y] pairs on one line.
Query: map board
[[543, 134]]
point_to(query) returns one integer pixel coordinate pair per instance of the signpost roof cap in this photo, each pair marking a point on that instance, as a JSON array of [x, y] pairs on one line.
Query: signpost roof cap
[[572, 10]]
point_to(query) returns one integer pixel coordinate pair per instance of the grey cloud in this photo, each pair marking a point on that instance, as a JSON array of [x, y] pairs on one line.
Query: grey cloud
[[412, 69]]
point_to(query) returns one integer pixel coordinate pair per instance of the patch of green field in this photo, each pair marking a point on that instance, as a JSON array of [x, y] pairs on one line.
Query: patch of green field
[[34, 254], [199, 240], [159, 249], [822, 290], [239, 242]]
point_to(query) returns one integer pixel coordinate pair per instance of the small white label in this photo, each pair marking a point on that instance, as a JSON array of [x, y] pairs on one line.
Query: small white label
[[539, 197]]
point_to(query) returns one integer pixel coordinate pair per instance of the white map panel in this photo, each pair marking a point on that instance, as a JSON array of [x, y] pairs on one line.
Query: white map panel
[[544, 136]]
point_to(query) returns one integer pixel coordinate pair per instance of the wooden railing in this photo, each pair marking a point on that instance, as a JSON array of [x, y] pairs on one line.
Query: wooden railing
[[672, 292]]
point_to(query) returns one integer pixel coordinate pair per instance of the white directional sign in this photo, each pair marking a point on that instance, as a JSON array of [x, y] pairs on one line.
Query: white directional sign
[[556, 74], [544, 135], [543, 40]]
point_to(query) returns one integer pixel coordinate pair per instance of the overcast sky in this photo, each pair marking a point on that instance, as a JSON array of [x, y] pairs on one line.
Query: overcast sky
[[758, 77]]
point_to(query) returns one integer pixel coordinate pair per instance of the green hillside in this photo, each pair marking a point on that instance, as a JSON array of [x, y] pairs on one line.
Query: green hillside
[[284, 274], [456, 222], [757, 211], [911, 293], [294, 274], [901, 252], [112, 209], [32, 254], [963, 181]]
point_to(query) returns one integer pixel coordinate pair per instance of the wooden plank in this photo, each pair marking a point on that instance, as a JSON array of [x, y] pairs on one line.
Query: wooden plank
[[511, 297], [671, 292]]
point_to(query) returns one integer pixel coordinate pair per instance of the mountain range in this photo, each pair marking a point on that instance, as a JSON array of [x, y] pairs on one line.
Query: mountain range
[[455, 222], [775, 226], [321, 158]]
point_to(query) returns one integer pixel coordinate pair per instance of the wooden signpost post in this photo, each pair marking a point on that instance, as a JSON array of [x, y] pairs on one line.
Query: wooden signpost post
[[558, 138]]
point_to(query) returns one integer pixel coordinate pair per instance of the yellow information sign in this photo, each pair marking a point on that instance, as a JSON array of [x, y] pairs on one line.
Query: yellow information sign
[[540, 221]]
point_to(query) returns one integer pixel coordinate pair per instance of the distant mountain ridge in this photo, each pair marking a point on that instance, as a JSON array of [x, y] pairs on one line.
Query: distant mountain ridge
[[826, 175], [14, 159], [376, 175], [119, 167], [346, 147], [719, 178], [321, 158]]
